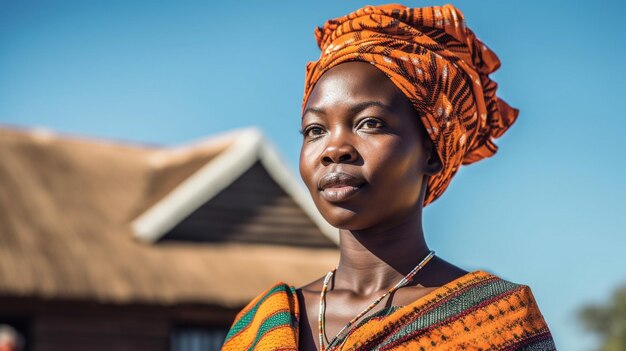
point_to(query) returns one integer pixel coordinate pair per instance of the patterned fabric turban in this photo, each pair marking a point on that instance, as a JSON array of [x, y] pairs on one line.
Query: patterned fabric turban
[[438, 63]]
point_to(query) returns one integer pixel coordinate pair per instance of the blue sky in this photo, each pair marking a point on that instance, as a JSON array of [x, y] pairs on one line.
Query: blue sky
[[546, 211]]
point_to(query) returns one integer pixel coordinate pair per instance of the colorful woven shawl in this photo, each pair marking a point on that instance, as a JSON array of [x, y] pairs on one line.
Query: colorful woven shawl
[[477, 311]]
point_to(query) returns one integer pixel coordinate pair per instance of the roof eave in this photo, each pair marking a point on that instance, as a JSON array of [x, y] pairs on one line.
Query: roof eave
[[248, 147]]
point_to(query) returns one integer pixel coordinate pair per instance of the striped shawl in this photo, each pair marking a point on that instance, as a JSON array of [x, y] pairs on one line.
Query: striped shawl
[[477, 311]]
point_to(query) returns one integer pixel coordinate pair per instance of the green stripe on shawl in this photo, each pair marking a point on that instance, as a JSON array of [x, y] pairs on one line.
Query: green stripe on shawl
[[248, 317], [541, 345], [274, 321]]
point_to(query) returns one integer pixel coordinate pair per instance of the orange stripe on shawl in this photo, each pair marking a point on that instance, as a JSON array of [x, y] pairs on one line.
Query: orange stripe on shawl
[[259, 331], [438, 63]]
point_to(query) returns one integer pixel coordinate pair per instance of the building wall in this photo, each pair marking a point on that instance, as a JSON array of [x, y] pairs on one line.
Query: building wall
[[83, 325]]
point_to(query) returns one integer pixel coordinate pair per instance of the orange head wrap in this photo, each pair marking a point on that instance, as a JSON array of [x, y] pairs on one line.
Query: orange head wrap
[[438, 63]]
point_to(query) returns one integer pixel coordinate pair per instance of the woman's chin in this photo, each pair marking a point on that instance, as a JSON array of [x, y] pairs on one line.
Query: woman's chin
[[347, 219], [355, 218]]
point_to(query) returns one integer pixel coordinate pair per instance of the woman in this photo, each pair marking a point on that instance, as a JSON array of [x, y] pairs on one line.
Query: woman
[[398, 100]]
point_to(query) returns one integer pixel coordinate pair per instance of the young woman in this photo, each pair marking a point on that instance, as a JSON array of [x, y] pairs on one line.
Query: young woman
[[399, 99]]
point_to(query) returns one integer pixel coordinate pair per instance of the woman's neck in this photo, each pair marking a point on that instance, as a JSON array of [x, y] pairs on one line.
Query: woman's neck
[[375, 260]]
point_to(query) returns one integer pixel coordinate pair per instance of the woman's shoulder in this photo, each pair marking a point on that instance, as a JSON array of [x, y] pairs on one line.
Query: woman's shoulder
[[486, 285], [279, 295], [273, 310], [480, 291], [512, 309], [486, 280], [514, 294], [496, 311]]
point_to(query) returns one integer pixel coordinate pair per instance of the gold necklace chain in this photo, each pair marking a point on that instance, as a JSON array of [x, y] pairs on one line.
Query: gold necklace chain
[[321, 321]]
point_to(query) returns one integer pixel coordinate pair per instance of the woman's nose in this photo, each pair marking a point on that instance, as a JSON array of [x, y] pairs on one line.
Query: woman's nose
[[339, 150]]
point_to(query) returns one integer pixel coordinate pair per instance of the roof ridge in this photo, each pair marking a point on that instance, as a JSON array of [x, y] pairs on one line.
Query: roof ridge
[[40, 134]]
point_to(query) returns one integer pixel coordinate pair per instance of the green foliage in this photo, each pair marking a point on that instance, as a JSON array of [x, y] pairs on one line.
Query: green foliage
[[608, 321]]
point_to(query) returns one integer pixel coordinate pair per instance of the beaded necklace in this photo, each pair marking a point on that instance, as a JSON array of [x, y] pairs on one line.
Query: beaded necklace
[[321, 321]]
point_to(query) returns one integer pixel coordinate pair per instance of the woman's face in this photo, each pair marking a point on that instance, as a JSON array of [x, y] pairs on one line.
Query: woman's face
[[364, 154]]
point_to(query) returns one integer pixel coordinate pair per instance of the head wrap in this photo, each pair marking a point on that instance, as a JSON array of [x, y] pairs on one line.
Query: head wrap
[[441, 67]]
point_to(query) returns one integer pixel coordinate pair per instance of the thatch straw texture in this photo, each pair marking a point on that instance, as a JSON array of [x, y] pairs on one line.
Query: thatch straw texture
[[66, 205]]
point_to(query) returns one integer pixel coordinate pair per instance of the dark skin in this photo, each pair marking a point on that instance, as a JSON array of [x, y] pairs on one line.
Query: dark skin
[[365, 159]]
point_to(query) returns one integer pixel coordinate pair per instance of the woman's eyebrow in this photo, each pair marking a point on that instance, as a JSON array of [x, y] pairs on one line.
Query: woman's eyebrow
[[366, 104], [317, 111], [353, 109]]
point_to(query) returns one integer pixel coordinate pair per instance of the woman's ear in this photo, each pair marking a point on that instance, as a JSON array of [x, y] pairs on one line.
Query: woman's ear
[[433, 163]]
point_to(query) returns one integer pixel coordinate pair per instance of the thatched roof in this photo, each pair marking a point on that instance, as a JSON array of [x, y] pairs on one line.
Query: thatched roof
[[68, 206]]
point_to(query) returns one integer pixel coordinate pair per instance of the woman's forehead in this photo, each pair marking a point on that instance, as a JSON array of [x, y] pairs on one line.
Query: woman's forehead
[[355, 83]]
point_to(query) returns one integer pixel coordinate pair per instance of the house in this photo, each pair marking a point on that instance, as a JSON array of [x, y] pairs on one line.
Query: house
[[110, 245]]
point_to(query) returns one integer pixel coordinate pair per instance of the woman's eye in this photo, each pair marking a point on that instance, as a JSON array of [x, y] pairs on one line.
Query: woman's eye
[[313, 131], [372, 124]]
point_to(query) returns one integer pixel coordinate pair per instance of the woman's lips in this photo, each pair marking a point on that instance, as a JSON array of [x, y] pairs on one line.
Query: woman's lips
[[339, 194], [339, 186]]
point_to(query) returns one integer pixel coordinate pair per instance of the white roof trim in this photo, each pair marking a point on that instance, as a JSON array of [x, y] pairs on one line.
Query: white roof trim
[[281, 175], [249, 146]]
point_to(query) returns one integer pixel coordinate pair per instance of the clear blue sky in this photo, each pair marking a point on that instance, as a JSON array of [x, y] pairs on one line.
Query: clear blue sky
[[547, 211]]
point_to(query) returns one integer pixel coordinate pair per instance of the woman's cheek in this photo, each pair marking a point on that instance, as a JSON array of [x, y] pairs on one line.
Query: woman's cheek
[[305, 166]]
